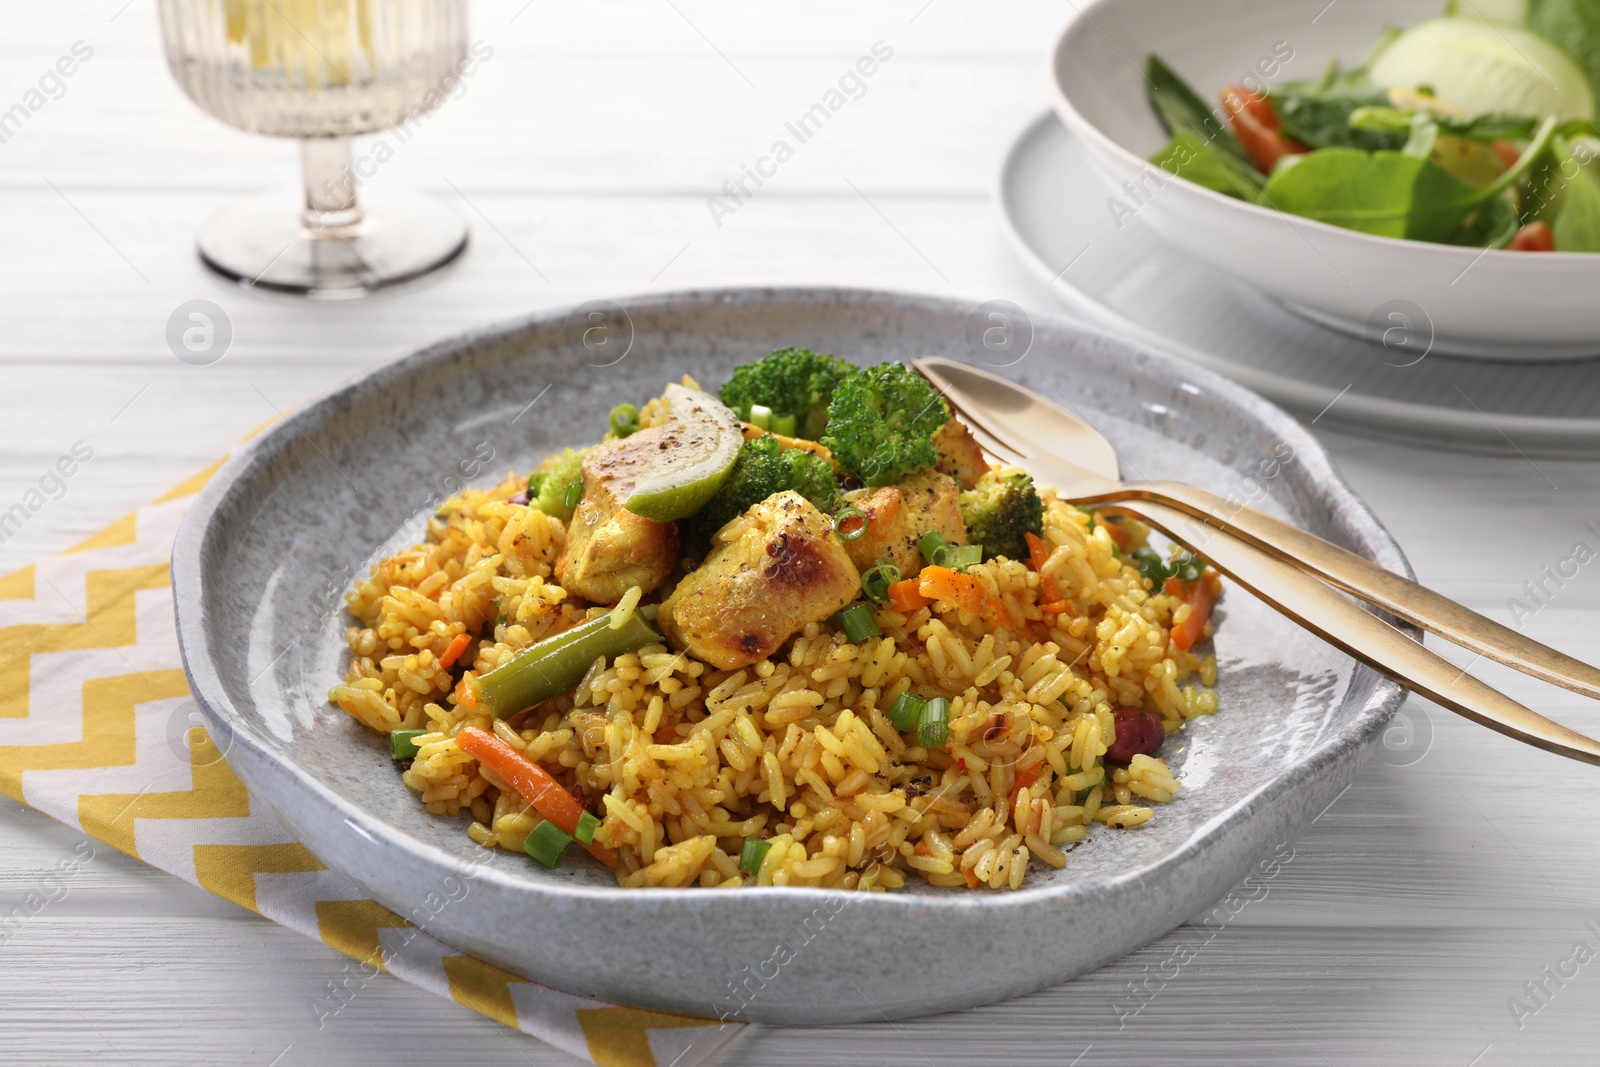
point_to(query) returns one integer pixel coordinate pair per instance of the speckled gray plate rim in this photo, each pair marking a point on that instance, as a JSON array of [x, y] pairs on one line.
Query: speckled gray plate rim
[[676, 949]]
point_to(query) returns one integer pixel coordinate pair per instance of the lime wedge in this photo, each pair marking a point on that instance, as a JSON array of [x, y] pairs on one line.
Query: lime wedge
[[699, 442]]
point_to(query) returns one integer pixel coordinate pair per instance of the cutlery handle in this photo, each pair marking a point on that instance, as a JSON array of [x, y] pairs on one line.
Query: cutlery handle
[[1399, 596], [1363, 635]]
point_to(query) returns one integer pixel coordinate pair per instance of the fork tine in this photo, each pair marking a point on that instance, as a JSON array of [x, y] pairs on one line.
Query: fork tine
[[991, 437], [997, 448]]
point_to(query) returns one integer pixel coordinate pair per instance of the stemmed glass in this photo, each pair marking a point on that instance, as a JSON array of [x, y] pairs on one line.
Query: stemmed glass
[[322, 71]]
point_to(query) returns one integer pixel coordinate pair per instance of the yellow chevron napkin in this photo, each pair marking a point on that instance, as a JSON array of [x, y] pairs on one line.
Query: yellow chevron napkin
[[98, 730]]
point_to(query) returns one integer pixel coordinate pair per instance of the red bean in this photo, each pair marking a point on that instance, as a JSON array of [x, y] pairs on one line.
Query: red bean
[[1139, 732]]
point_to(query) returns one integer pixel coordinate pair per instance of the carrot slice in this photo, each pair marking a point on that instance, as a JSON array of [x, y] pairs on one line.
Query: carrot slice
[[905, 596], [458, 644], [1038, 556], [1023, 780], [953, 587], [532, 782], [1201, 596]]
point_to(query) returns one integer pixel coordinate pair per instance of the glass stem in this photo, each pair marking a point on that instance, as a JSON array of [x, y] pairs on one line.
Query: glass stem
[[330, 186]]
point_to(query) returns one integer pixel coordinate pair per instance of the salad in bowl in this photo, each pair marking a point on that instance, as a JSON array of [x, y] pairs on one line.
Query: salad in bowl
[[1475, 128]]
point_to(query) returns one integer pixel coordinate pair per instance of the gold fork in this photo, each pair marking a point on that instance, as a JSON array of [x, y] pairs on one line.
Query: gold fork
[[1275, 561]]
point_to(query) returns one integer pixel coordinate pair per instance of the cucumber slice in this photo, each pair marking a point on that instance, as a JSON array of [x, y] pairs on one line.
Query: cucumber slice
[[699, 443], [1481, 67]]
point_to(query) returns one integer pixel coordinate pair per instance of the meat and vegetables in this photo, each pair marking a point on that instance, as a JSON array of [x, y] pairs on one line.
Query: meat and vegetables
[[805, 490]]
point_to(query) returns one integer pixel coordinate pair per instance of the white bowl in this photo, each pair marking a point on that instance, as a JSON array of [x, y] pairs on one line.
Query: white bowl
[[1460, 301]]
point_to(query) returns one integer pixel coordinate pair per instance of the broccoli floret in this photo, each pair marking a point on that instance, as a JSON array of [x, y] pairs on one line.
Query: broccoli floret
[[1001, 508], [765, 467], [882, 421], [793, 382], [560, 483]]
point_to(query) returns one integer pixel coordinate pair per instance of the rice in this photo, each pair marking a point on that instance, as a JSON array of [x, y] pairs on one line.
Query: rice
[[682, 761]]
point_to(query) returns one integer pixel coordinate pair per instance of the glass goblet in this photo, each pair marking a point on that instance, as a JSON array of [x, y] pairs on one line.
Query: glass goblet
[[322, 71]]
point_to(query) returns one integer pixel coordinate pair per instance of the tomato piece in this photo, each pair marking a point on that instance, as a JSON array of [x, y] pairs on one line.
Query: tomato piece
[[1534, 237], [1256, 123], [1258, 106]]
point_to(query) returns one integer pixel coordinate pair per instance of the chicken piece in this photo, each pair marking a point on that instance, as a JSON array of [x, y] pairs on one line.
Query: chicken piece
[[770, 572], [898, 516], [609, 548], [959, 454]]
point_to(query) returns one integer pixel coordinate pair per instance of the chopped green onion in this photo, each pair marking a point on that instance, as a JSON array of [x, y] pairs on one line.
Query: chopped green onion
[[403, 743], [933, 725], [624, 420], [535, 483], [941, 553], [1186, 567], [905, 711], [1089, 512], [960, 557], [760, 415], [857, 623], [783, 424], [574, 494], [876, 580], [753, 855], [587, 825], [547, 843], [1150, 564], [850, 524]]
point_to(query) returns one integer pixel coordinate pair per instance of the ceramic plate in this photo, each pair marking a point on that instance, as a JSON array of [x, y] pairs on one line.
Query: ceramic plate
[[1131, 280], [270, 546]]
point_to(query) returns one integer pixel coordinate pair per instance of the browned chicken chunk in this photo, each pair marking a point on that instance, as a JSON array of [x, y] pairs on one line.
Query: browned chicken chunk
[[898, 516], [770, 572], [609, 548], [959, 455]]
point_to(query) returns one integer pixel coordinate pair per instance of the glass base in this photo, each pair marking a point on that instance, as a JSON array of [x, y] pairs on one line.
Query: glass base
[[269, 242]]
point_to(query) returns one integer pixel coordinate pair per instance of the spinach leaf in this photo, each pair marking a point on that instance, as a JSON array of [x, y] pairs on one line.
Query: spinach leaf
[[1492, 226], [1181, 110], [1389, 194], [1322, 120], [1577, 227], [1574, 25], [1203, 163], [1380, 193]]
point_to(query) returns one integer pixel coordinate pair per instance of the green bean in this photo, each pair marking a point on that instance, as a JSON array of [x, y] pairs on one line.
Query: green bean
[[558, 663]]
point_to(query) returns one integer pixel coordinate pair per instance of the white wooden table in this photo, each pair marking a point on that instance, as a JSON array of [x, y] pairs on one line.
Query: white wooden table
[[583, 153]]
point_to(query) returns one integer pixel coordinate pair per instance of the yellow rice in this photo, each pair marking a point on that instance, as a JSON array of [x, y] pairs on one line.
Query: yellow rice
[[683, 761]]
